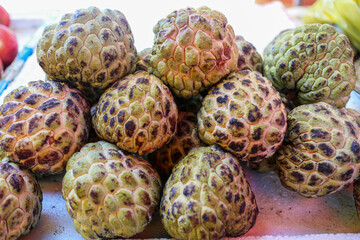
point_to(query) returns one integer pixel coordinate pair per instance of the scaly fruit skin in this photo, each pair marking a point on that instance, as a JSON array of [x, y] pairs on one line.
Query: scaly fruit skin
[[42, 125], [143, 62], [356, 194], [138, 113], [249, 58], [244, 115], [110, 193], [322, 152], [20, 201], [207, 197], [193, 50], [89, 49], [186, 138], [311, 63]]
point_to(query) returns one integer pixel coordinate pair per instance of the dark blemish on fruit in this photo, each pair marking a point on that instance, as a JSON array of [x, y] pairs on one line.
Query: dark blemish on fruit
[[229, 85], [121, 116], [24, 153], [328, 151], [254, 114], [105, 18], [350, 127], [154, 130], [112, 122], [325, 168], [189, 190], [307, 167], [299, 178], [236, 146], [130, 128], [105, 106], [51, 103], [347, 175], [222, 99], [319, 133], [100, 77], [220, 135], [16, 128], [236, 123], [246, 82], [52, 118], [105, 118], [256, 135], [16, 182], [34, 123], [173, 123], [355, 148], [9, 106], [142, 80], [228, 196]]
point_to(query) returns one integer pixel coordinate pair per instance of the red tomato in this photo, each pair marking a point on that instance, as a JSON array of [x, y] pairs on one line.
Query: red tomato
[[4, 17], [8, 45]]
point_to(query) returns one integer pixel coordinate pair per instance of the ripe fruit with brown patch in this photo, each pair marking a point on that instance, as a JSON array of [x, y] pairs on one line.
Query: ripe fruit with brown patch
[[20, 201], [193, 50], [137, 113], [243, 114], [110, 193], [42, 125], [322, 153], [207, 197], [89, 49]]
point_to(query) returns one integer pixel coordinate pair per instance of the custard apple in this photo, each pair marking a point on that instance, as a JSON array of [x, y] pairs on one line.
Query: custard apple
[[321, 154], [186, 138], [249, 58], [42, 125], [311, 63], [208, 197], [89, 49], [110, 193], [20, 201], [244, 115], [143, 62], [193, 49], [138, 113]]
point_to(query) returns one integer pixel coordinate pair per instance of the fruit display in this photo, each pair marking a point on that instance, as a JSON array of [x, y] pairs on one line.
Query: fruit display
[[197, 136], [249, 58], [311, 63], [322, 153], [243, 114], [89, 49], [110, 193], [207, 197], [20, 201], [186, 138], [42, 125], [193, 49], [138, 113]]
